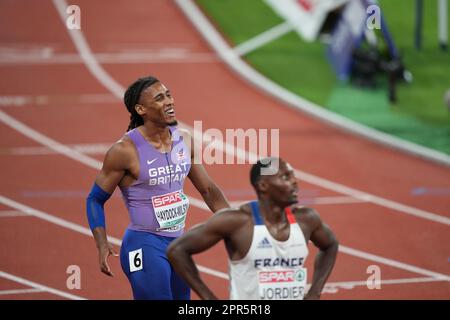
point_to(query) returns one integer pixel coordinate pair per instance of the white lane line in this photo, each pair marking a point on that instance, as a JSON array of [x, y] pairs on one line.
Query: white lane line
[[12, 213], [104, 78], [50, 143], [19, 101], [86, 54], [334, 287], [233, 60], [390, 262], [87, 148], [78, 228], [263, 38], [330, 185], [109, 58], [39, 286], [199, 204], [364, 196], [93, 163], [16, 101], [352, 284], [330, 200], [313, 201], [116, 241], [20, 291], [46, 217]]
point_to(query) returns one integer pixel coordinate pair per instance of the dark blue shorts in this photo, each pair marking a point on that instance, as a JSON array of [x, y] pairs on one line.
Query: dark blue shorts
[[144, 261]]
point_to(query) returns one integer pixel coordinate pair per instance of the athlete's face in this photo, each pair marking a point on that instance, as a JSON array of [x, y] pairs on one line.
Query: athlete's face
[[282, 186], [158, 105]]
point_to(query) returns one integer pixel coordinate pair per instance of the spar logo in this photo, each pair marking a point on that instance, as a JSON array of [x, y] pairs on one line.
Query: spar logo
[[281, 276], [168, 199]]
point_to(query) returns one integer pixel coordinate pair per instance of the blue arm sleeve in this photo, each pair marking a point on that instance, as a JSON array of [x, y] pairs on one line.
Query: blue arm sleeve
[[94, 205]]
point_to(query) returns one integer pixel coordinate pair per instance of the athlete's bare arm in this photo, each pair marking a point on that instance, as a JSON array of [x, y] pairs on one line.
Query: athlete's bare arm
[[223, 225], [115, 166], [323, 238], [210, 192]]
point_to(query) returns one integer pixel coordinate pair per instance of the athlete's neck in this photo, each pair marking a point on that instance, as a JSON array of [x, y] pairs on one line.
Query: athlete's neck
[[160, 137], [271, 212]]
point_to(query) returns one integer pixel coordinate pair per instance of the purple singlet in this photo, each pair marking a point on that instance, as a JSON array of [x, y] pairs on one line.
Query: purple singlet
[[155, 201]]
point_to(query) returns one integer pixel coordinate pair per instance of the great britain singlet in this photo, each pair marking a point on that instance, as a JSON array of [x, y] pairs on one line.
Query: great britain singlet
[[155, 201], [272, 269]]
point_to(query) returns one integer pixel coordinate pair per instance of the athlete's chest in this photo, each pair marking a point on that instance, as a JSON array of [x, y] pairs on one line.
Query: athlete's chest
[[265, 245], [156, 168]]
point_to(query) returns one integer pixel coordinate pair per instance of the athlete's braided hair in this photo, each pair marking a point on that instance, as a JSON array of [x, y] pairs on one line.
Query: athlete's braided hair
[[132, 96]]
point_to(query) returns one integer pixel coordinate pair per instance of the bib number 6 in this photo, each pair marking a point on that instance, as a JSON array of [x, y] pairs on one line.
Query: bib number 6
[[135, 258]]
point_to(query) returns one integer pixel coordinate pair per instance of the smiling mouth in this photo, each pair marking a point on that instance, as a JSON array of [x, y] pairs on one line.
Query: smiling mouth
[[170, 112]]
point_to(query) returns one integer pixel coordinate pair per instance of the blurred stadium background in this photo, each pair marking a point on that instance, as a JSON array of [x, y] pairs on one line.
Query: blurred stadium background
[[302, 64]]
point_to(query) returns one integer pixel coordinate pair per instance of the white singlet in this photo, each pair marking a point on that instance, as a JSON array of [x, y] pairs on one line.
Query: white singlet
[[272, 269]]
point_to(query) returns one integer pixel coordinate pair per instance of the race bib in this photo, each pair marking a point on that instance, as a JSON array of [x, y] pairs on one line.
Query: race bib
[[135, 260], [170, 210], [282, 284]]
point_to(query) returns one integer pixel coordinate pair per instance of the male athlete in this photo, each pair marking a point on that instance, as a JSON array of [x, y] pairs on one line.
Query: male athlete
[[149, 164], [266, 241]]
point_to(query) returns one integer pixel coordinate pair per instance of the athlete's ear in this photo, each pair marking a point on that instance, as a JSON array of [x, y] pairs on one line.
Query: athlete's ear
[[139, 109], [262, 185]]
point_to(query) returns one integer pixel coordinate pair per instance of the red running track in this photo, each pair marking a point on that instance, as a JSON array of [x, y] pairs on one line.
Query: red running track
[[63, 100]]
